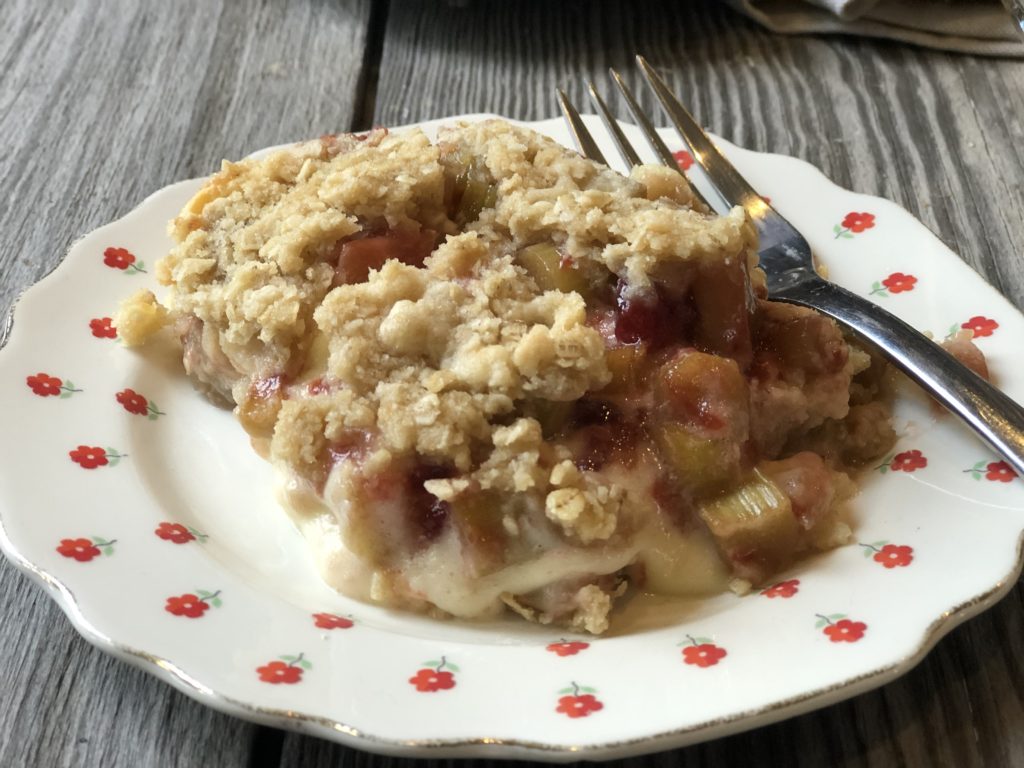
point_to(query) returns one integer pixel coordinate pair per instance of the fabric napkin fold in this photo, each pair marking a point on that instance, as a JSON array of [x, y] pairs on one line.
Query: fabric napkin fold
[[965, 26]]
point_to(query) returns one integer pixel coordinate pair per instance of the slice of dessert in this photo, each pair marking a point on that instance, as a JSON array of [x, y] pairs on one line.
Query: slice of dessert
[[493, 373]]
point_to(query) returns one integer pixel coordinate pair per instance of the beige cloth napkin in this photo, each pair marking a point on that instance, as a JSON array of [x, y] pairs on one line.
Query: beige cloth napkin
[[966, 26]]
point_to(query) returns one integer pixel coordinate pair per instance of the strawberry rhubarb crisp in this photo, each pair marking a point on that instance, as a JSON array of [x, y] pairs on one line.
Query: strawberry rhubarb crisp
[[492, 373]]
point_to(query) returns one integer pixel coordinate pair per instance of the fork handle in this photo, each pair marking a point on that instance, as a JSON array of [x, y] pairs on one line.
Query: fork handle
[[991, 414]]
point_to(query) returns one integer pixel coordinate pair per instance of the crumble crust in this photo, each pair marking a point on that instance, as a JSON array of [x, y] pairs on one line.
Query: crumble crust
[[636, 227], [445, 362], [139, 317], [436, 355], [429, 357], [252, 245]]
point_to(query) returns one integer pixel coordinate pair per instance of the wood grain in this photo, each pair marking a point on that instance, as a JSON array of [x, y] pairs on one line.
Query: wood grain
[[102, 103]]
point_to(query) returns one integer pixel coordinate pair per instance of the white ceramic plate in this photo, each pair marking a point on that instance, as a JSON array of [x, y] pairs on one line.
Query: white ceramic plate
[[152, 523]]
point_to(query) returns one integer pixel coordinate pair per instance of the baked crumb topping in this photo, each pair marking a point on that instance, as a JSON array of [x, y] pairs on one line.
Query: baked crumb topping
[[438, 355], [139, 317], [496, 367]]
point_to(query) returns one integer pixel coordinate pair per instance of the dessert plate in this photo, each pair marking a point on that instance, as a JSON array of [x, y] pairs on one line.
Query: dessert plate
[[146, 515]]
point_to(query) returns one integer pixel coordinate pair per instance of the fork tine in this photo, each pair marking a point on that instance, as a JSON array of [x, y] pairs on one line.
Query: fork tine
[[629, 155], [662, 151], [653, 139], [733, 187], [588, 147]]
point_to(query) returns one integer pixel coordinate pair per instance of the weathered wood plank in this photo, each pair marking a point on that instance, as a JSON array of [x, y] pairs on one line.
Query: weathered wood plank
[[101, 104]]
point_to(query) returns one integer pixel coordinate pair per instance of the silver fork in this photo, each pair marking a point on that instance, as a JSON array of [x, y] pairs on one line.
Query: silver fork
[[786, 260]]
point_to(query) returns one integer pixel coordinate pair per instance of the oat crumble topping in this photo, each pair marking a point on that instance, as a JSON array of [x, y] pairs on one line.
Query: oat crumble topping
[[495, 365]]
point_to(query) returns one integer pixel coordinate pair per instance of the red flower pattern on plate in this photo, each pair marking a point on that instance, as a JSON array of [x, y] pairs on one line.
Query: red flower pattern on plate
[[45, 385], [193, 605], [782, 589], [1000, 472], [979, 326], [179, 534], [123, 259], [854, 223], [683, 159], [331, 621], [578, 701], [567, 648], [701, 652], [889, 555], [993, 471], [138, 405], [897, 282], [434, 676], [287, 670], [84, 550], [906, 461], [839, 629], [103, 328], [92, 456]]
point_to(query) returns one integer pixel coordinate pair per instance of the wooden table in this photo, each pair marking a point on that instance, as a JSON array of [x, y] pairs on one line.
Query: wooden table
[[103, 102]]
